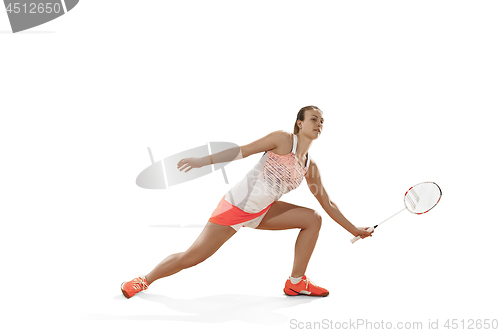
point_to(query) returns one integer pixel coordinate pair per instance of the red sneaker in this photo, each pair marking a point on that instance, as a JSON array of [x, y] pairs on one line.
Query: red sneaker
[[131, 288], [304, 287]]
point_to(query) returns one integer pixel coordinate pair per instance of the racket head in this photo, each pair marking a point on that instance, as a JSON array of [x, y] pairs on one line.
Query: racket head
[[422, 197]]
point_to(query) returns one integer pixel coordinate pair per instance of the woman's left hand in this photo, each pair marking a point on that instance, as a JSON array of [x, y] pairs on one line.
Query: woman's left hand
[[363, 232]]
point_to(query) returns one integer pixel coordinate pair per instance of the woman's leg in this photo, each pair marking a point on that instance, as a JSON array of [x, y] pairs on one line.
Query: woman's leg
[[283, 215], [209, 241]]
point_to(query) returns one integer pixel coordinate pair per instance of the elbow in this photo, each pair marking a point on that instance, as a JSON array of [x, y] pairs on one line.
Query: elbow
[[233, 154], [325, 202], [242, 152], [333, 205]]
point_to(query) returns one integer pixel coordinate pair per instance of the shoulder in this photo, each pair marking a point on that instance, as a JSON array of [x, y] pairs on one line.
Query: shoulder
[[283, 140], [280, 138], [274, 141], [284, 136]]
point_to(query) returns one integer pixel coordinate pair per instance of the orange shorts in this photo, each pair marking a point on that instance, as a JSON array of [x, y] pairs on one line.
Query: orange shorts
[[228, 214]]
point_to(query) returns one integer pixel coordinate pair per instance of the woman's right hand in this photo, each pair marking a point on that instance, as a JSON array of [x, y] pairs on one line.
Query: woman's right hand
[[189, 163]]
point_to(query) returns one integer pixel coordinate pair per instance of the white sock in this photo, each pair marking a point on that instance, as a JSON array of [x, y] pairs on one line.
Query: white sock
[[295, 280]]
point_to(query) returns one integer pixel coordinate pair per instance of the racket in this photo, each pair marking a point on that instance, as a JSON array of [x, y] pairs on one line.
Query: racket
[[419, 199]]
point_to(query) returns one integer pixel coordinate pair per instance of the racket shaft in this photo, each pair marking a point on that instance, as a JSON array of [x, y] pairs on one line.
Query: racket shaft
[[391, 216], [355, 239]]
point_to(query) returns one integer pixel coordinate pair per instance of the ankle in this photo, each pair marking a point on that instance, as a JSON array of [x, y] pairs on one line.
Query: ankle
[[295, 280], [296, 276]]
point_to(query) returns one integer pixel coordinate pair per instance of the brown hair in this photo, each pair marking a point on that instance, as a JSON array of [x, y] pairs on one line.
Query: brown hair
[[300, 116]]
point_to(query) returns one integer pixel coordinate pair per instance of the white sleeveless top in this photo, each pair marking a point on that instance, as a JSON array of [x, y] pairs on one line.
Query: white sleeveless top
[[273, 176]]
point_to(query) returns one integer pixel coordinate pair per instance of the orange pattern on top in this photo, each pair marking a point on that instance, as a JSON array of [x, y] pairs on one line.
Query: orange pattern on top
[[282, 173]]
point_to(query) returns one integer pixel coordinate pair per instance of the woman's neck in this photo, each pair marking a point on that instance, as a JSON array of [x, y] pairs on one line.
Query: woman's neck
[[303, 145]]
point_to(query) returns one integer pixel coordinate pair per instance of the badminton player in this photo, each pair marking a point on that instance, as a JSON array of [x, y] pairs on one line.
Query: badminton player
[[254, 203]]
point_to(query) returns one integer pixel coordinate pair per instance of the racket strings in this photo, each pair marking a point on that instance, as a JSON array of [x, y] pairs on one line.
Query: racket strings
[[422, 197]]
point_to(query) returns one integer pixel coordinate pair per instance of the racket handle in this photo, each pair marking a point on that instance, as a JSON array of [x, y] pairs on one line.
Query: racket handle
[[355, 239]]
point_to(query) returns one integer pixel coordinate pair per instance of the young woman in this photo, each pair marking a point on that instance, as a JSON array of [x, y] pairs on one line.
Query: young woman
[[254, 202]]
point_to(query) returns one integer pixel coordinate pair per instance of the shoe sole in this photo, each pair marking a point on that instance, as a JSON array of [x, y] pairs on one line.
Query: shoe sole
[[298, 294]]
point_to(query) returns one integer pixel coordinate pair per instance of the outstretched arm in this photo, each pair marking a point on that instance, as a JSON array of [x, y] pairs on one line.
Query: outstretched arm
[[313, 179], [269, 142]]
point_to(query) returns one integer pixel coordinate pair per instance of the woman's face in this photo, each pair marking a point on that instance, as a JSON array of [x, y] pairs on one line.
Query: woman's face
[[312, 125]]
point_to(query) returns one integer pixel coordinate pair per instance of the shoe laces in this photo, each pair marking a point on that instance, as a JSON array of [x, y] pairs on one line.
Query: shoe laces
[[139, 284], [309, 281]]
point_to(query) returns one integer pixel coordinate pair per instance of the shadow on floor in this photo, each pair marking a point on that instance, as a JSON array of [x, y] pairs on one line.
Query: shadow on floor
[[216, 309]]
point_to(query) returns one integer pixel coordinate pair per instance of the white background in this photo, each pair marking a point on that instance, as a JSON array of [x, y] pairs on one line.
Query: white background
[[409, 91]]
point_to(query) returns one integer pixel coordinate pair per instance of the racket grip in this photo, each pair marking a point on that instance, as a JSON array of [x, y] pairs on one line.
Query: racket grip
[[355, 239]]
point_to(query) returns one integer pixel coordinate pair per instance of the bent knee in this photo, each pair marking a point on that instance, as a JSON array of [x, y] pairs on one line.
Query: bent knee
[[316, 220]]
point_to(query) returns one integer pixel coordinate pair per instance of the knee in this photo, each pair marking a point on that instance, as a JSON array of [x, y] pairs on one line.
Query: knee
[[316, 220]]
